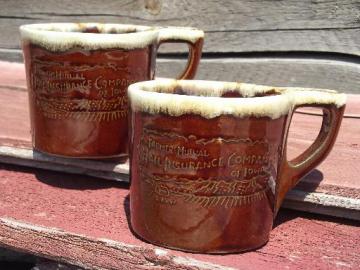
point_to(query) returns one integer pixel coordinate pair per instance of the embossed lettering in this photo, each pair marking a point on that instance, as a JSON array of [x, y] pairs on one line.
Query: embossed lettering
[[63, 91], [164, 156]]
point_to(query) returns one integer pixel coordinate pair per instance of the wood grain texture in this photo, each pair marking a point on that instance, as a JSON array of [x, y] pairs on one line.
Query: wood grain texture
[[20, 153], [79, 249], [84, 221], [11, 55], [231, 26], [331, 74]]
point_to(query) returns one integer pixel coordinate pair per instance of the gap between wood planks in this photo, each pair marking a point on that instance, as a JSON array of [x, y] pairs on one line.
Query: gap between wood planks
[[308, 55]]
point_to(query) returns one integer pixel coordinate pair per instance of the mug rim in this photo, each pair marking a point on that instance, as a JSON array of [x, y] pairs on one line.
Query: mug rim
[[158, 96], [65, 36]]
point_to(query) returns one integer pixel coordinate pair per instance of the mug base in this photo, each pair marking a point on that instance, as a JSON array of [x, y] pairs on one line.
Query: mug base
[[120, 157], [218, 251]]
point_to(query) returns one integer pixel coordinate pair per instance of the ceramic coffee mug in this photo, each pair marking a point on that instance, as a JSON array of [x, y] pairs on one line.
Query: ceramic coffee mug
[[78, 74], [208, 160]]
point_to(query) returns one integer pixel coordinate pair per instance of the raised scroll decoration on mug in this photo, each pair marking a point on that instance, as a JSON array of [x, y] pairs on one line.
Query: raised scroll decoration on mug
[[172, 166], [74, 92]]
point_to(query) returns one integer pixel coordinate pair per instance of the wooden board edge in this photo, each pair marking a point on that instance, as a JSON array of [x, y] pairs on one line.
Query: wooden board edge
[[30, 158], [324, 204], [76, 249], [313, 202]]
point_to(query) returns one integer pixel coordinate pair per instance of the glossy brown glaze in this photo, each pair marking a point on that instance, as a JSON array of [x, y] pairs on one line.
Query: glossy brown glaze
[[292, 171], [195, 51], [78, 98], [214, 185], [78, 102], [204, 185]]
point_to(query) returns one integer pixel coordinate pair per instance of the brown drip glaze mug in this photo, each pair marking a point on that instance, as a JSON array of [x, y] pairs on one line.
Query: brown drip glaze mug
[[77, 77], [208, 160]]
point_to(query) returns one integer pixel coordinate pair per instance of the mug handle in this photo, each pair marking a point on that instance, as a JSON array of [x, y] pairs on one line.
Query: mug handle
[[194, 38], [333, 105]]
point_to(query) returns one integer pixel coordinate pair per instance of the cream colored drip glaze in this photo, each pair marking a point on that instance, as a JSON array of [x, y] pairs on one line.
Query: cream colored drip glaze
[[64, 36], [316, 96], [180, 33], [204, 98], [206, 88]]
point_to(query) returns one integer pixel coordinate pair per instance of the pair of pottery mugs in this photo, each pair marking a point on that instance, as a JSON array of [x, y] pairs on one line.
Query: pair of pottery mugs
[[208, 159]]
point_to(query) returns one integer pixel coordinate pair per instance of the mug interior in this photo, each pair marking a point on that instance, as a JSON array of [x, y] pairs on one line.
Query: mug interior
[[210, 88], [208, 98], [65, 36], [94, 28], [228, 93]]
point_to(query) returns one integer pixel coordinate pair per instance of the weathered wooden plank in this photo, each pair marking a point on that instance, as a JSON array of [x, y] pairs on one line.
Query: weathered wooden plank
[[336, 41], [322, 73], [231, 26], [340, 75], [325, 204], [12, 76], [70, 218], [265, 15], [322, 40], [79, 249], [11, 55], [258, 15], [111, 170]]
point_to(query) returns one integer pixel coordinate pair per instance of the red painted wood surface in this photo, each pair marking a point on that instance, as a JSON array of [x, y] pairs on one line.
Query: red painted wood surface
[[98, 209], [12, 75]]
